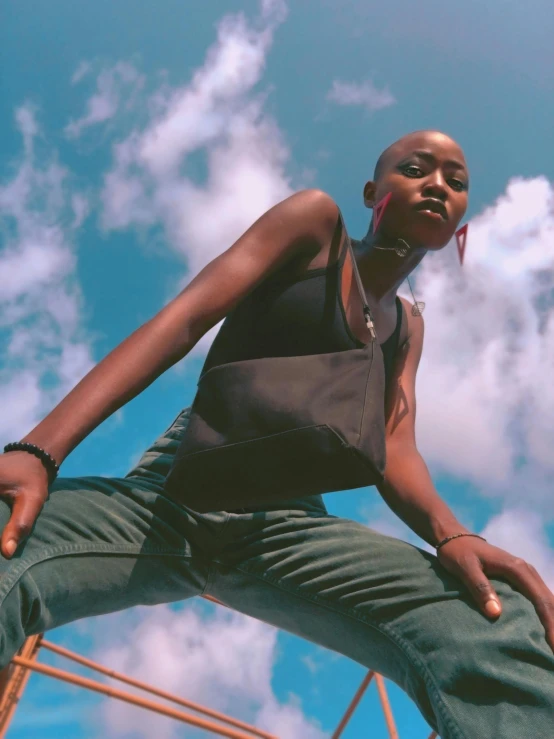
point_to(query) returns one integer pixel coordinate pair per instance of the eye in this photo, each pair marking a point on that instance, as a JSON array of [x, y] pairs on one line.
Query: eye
[[413, 171], [458, 185]]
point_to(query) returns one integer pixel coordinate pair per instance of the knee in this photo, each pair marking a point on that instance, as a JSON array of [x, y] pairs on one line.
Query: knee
[[19, 617], [511, 649]]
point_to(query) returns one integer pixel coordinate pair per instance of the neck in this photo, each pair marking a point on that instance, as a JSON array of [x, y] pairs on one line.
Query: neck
[[382, 270]]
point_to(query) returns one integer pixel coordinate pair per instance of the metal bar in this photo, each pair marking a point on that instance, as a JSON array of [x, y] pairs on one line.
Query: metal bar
[[26, 662], [393, 733], [353, 705], [155, 691], [214, 600], [15, 681], [130, 698]]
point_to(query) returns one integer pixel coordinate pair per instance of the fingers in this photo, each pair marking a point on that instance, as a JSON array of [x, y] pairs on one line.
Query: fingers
[[480, 587], [485, 561], [25, 510], [525, 578]]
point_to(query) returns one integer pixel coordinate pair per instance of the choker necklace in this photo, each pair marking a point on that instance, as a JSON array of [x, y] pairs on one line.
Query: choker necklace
[[401, 248]]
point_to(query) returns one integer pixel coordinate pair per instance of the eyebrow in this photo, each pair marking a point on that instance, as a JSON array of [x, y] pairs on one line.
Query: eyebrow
[[424, 154]]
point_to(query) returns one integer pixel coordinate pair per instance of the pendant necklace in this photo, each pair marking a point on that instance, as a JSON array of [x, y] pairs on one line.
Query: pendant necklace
[[401, 248]]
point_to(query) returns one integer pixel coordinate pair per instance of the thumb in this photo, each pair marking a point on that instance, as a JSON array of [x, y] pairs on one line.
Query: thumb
[[24, 512], [481, 589]]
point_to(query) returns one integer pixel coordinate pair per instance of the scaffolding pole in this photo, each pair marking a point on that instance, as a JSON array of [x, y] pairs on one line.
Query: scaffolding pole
[[353, 705], [122, 695], [393, 733], [155, 691], [14, 680]]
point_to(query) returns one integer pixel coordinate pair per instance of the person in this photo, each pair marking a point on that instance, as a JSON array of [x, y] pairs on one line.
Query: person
[[86, 546]]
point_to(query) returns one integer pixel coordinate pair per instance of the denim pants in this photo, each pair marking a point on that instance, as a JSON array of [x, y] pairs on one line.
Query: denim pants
[[102, 545]]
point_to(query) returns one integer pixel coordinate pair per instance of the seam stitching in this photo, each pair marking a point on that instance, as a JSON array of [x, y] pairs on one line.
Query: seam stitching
[[384, 629], [10, 578]]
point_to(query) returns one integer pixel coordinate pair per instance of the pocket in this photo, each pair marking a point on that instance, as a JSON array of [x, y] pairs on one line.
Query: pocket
[[296, 463]]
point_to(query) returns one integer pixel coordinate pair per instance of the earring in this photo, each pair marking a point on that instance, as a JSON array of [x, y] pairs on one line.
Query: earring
[[419, 306], [379, 209], [461, 238]]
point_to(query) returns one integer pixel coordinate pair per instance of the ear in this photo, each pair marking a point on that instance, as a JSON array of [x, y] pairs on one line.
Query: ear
[[369, 194]]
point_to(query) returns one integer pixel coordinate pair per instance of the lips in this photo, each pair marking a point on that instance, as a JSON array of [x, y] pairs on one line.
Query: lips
[[435, 206]]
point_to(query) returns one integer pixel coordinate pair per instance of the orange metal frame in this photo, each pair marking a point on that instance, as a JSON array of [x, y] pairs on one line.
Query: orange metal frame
[[13, 680]]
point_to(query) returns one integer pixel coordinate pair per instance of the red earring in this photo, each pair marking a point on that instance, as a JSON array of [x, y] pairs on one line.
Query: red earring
[[461, 238], [379, 209]]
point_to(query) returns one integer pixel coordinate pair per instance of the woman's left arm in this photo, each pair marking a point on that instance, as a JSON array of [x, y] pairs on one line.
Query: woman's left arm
[[409, 491]]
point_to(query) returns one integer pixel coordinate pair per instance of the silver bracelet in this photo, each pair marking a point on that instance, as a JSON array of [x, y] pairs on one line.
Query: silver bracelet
[[455, 536]]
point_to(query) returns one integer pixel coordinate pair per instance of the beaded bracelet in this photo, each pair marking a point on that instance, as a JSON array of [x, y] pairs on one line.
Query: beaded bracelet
[[455, 536], [52, 467]]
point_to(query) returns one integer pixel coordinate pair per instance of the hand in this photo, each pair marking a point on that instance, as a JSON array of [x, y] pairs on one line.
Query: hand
[[24, 484], [472, 559]]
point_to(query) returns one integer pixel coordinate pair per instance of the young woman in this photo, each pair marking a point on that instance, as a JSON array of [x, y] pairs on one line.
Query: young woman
[[86, 546]]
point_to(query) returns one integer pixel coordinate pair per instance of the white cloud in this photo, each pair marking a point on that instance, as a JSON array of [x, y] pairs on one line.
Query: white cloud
[[377, 515], [364, 93], [111, 85], [486, 399], [273, 11], [224, 660], [521, 532], [26, 121], [81, 207], [43, 351], [218, 119], [83, 68], [485, 389]]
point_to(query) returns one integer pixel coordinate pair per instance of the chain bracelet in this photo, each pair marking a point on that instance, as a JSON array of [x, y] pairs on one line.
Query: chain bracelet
[[456, 536]]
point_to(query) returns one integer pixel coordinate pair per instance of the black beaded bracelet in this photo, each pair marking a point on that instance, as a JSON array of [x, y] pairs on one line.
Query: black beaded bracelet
[[449, 538], [52, 467]]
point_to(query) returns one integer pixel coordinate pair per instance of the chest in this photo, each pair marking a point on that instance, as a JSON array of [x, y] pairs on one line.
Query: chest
[[384, 314]]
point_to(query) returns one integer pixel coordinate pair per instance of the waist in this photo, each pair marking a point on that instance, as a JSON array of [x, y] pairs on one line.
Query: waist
[[309, 504]]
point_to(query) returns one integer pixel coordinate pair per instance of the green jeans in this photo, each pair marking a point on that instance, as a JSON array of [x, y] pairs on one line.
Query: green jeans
[[102, 545]]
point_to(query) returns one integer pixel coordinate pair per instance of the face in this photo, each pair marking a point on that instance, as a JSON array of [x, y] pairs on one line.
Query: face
[[427, 175]]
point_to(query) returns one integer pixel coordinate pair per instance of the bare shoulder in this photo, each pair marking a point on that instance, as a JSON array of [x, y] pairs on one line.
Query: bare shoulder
[[413, 328], [297, 228], [312, 211], [315, 200]]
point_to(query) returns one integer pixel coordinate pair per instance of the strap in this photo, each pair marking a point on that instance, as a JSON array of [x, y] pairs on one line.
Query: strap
[[367, 310], [399, 315]]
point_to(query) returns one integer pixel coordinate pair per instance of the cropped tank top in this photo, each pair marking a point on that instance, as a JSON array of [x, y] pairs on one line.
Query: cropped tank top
[[288, 316]]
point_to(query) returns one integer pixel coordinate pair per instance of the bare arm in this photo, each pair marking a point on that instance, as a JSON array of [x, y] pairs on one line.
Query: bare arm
[[302, 224], [408, 488], [297, 227], [410, 493]]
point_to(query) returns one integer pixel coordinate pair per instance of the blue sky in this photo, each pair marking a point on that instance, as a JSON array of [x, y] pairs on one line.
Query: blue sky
[[138, 140]]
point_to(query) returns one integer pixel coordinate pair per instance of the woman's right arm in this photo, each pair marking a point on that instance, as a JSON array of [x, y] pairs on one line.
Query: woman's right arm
[[299, 226]]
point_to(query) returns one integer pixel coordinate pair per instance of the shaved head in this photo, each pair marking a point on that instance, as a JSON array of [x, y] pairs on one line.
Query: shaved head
[[423, 166], [402, 143]]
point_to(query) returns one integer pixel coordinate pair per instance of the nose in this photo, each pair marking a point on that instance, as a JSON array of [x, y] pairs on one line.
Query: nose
[[435, 186]]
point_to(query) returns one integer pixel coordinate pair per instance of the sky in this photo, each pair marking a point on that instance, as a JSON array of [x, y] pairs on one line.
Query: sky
[[137, 142]]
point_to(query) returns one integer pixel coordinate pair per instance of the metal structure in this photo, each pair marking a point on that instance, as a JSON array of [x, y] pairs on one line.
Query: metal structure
[[13, 680]]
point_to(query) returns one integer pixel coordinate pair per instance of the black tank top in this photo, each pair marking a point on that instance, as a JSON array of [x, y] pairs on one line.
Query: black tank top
[[288, 316]]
